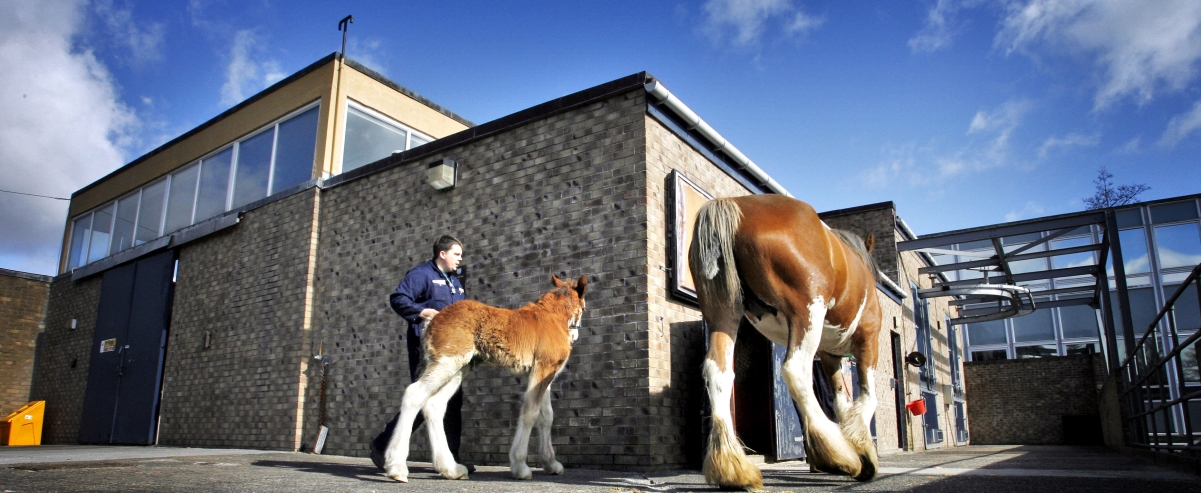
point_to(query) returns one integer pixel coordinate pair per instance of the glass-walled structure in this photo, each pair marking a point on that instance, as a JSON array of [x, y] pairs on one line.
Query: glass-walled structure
[[274, 158], [1161, 243]]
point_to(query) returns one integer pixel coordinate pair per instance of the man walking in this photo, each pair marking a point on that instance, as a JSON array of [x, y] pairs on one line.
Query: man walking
[[425, 290]]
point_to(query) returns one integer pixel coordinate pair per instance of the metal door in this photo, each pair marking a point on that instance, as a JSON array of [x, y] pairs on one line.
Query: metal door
[[788, 428], [898, 391], [125, 375]]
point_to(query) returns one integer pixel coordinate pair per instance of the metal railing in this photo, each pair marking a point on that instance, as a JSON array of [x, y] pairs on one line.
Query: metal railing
[[1161, 391]]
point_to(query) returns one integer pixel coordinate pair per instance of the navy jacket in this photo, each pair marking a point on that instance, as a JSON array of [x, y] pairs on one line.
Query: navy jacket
[[424, 287]]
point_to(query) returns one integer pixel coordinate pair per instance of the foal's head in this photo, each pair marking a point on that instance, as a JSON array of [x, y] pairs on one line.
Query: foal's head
[[571, 295]]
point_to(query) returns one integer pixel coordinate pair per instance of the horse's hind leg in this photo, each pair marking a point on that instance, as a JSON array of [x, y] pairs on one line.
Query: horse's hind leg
[[857, 424], [415, 397], [435, 410], [726, 464], [827, 449], [546, 416], [540, 380]]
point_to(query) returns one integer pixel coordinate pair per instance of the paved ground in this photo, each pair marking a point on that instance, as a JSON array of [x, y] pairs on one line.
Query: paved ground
[[976, 469]]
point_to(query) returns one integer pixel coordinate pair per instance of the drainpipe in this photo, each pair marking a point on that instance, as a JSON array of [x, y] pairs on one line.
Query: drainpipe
[[659, 92]]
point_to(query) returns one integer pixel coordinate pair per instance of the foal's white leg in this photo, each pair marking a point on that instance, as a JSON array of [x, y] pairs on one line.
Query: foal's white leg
[[547, 451], [525, 423], [830, 451], [415, 398], [435, 410]]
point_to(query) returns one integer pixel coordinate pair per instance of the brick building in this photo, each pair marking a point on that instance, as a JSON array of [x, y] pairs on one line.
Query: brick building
[[22, 310], [239, 290]]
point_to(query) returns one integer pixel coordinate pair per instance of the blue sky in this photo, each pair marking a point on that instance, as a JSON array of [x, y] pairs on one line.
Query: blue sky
[[964, 113]]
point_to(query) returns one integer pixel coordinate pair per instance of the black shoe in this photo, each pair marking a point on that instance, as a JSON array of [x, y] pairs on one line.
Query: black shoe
[[377, 457]]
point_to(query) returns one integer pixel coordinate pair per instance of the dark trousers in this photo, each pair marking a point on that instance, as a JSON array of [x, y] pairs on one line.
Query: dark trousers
[[452, 422]]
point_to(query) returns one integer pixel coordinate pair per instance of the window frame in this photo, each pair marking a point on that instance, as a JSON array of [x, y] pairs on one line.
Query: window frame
[[383, 118]]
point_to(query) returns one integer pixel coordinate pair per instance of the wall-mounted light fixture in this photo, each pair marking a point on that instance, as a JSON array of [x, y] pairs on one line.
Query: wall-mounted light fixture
[[443, 174], [74, 323]]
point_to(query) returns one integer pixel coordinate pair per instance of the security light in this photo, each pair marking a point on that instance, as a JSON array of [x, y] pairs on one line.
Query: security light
[[442, 174]]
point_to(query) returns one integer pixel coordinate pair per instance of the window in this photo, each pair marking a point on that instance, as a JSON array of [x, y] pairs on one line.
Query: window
[[1036, 326], [1134, 251], [150, 215], [123, 226], [371, 136], [1185, 310], [981, 333], [1075, 259], [1178, 245], [989, 355], [1176, 211], [1039, 351], [276, 158], [254, 168], [1080, 348], [1078, 321], [102, 223], [295, 146]]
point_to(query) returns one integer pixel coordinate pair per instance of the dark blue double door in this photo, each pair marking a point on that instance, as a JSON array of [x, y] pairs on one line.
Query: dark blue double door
[[126, 372]]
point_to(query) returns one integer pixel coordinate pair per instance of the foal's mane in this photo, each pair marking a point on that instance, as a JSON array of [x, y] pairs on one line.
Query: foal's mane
[[857, 245]]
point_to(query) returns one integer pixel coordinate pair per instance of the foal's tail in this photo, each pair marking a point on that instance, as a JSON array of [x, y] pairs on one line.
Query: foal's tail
[[712, 252]]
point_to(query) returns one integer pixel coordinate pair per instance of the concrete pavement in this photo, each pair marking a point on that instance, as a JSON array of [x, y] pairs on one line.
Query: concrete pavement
[[975, 469]]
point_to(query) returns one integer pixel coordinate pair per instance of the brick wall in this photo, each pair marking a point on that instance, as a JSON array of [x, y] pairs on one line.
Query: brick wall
[[880, 222], [675, 340], [249, 287], [63, 355], [561, 195], [1023, 401], [22, 310]]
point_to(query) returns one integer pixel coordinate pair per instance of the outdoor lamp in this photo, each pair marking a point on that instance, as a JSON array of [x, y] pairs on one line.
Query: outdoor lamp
[[442, 173]]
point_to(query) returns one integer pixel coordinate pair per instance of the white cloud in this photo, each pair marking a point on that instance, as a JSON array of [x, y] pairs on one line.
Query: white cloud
[[245, 74], [61, 128], [1032, 209], [749, 20], [1181, 127], [1139, 47], [940, 29], [144, 44], [1131, 146], [1069, 140]]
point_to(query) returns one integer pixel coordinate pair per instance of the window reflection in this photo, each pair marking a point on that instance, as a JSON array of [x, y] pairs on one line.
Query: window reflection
[[989, 355], [1178, 245], [1036, 326], [1078, 321], [369, 139], [1134, 251], [981, 333], [1039, 351], [1075, 259]]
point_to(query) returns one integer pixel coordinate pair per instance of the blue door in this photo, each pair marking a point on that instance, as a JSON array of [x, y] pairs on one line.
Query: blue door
[[125, 375]]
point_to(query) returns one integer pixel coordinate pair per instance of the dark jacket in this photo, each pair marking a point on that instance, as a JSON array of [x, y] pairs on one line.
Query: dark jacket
[[425, 286]]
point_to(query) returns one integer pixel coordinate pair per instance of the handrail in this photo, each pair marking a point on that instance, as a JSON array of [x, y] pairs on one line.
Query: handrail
[[1168, 306]]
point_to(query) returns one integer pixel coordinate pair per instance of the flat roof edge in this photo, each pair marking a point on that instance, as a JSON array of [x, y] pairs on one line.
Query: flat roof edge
[[25, 275]]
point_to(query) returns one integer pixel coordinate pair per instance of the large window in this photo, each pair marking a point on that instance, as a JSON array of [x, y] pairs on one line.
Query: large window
[[272, 159], [371, 136]]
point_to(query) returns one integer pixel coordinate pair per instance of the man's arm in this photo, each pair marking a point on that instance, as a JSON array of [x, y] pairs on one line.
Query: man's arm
[[404, 299]]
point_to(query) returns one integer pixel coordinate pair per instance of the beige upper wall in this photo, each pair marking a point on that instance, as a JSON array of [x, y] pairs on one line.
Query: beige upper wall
[[316, 85]]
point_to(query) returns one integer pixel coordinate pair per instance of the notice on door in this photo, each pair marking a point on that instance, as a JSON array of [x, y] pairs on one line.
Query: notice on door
[[108, 345]]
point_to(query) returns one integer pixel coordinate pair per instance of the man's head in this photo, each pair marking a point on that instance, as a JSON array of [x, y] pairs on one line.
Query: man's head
[[448, 252]]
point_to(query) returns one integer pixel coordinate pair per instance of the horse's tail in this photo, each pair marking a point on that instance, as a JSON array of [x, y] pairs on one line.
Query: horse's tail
[[711, 254]]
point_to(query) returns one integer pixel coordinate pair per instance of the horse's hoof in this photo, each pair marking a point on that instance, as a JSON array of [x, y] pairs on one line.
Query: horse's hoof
[[458, 472], [522, 471], [553, 468], [398, 475]]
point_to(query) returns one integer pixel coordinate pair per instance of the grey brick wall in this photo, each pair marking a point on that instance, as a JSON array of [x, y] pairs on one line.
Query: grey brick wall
[[22, 309], [61, 368], [250, 287], [1023, 401], [562, 195]]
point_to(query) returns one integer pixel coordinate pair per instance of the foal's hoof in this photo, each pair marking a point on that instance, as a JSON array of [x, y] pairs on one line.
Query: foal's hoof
[[553, 468], [458, 472], [522, 471]]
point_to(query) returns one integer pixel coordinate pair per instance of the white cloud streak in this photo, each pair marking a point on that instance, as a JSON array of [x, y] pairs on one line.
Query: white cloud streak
[[941, 26], [1139, 47], [246, 74], [1181, 127], [748, 20], [144, 44], [1070, 140], [61, 128]]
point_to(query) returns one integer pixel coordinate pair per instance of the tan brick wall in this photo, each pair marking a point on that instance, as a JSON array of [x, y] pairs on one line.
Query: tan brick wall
[[562, 195], [250, 287], [63, 356], [22, 310], [1023, 401]]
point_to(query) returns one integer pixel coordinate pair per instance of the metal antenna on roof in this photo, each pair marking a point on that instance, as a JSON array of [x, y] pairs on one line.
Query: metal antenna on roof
[[344, 26]]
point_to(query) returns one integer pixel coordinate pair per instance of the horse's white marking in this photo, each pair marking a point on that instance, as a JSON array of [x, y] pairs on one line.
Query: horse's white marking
[[869, 405], [837, 339], [798, 371], [773, 327], [572, 335], [721, 387]]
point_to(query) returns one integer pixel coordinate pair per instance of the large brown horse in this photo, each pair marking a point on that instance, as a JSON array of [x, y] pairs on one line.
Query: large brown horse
[[810, 288], [534, 340]]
